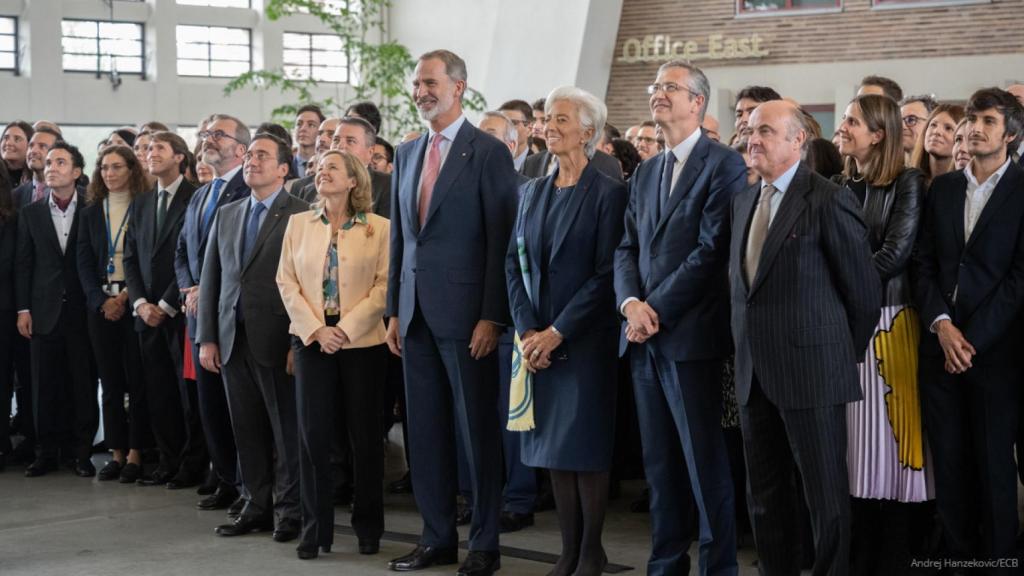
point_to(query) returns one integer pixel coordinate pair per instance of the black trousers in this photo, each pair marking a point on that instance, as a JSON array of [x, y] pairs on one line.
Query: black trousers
[[262, 403], [119, 363], [971, 423], [215, 418], [7, 339], [64, 386], [778, 443], [347, 382], [22, 360], [163, 390]]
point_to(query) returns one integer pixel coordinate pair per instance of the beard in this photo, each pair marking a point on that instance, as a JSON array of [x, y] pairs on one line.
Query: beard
[[444, 104]]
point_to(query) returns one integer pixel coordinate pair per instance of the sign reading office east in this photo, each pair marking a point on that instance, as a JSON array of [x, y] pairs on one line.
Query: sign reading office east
[[662, 48]]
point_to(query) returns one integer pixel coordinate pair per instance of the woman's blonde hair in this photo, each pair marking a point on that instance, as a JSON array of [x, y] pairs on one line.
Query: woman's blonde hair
[[360, 199]]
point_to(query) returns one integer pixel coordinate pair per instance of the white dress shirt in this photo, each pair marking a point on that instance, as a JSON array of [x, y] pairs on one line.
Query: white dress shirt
[[63, 219], [171, 190], [449, 134]]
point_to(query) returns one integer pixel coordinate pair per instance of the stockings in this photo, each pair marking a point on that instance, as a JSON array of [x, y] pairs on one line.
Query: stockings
[[581, 499]]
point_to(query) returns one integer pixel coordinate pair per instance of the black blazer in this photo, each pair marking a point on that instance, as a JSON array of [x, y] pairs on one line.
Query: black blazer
[[46, 277], [8, 245], [806, 319], [92, 253], [535, 164], [675, 259], [978, 282], [148, 257]]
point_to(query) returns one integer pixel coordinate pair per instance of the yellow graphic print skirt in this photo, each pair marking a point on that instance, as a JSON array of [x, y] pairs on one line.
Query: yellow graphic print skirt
[[887, 452]]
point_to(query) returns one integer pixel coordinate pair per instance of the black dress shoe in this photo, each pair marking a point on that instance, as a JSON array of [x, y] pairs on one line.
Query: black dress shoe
[[209, 485], [369, 546], [306, 552], [244, 525], [130, 473], [157, 477], [84, 468], [480, 563], [514, 522], [236, 507], [223, 498], [110, 471], [182, 480], [39, 467], [424, 557], [401, 486], [287, 531], [464, 516]]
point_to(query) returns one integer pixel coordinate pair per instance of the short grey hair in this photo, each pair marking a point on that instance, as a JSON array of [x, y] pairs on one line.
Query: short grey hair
[[696, 83], [510, 136], [454, 66], [592, 111], [241, 135]]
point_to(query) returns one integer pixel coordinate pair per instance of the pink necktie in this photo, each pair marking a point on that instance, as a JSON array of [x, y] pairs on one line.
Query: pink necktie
[[39, 192], [429, 176]]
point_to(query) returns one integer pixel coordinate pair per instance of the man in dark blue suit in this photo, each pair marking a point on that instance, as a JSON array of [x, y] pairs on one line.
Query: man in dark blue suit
[[453, 203], [671, 286], [224, 144]]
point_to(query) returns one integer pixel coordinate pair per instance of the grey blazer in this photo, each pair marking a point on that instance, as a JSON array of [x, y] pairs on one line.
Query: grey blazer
[[226, 279]]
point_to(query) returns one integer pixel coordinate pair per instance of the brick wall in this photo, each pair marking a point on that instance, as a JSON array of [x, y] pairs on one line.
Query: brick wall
[[857, 32]]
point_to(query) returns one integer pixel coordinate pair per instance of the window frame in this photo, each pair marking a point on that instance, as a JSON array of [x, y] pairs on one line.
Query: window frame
[[248, 5], [309, 66], [209, 46], [99, 72], [16, 70], [787, 10], [919, 4]]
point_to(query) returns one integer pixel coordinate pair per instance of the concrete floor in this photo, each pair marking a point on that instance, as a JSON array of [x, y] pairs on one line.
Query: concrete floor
[[60, 524]]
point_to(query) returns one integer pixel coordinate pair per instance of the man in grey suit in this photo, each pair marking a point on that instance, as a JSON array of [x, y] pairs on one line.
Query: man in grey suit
[[805, 301], [453, 203], [243, 335]]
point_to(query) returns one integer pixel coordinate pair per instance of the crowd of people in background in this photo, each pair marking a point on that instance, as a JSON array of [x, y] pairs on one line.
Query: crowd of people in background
[[812, 338]]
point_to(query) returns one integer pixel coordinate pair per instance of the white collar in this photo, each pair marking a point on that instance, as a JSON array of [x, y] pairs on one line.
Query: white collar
[[683, 150], [782, 182], [997, 174], [451, 131]]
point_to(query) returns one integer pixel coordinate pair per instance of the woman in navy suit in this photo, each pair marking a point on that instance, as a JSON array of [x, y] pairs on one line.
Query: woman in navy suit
[[569, 224]]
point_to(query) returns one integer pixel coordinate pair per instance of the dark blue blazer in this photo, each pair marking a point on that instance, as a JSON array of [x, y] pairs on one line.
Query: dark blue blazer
[[581, 264], [191, 243], [453, 269], [677, 262], [978, 282], [92, 253]]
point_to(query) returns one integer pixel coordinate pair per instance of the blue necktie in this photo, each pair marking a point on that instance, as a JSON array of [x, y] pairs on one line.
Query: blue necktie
[[666, 181], [211, 206], [251, 230]]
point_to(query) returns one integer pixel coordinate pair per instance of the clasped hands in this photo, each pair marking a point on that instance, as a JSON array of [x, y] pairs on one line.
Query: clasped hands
[[330, 338], [113, 309], [642, 321], [955, 347], [538, 346]]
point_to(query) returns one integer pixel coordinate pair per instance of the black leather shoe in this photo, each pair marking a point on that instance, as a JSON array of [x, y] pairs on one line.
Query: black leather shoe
[[130, 473], [244, 525], [157, 477], [236, 507], [39, 467], [369, 546], [209, 485], [183, 479], [110, 471], [424, 557], [287, 531], [401, 486], [223, 498], [464, 516], [514, 522], [306, 552], [480, 563], [84, 468]]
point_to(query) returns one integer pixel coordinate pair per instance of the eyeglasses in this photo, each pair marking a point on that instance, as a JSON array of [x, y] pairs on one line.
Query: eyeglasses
[[379, 158], [646, 139], [259, 156], [912, 120], [668, 88], [216, 136], [112, 167]]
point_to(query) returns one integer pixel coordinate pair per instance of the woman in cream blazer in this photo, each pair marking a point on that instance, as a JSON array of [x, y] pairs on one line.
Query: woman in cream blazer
[[333, 279]]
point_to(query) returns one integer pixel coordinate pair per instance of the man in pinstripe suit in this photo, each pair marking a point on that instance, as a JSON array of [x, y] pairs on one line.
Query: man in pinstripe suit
[[805, 301]]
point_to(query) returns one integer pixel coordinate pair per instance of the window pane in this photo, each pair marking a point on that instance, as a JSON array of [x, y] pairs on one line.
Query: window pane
[[76, 28], [292, 40], [83, 40], [121, 47], [327, 42], [239, 53], [296, 72], [79, 45], [78, 62], [229, 36], [296, 57], [328, 59], [193, 68], [6, 60], [220, 3], [228, 69], [6, 25], [330, 74], [117, 30], [129, 65], [193, 34], [6, 43]]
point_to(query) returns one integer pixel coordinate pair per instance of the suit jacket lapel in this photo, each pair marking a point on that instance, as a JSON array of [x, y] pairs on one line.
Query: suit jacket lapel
[[691, 170], [270, 221], [959, 200], [176, 208], [573, 208], [793, 205], [1003, 190], [535, 216], [459, 154], [411, 184]]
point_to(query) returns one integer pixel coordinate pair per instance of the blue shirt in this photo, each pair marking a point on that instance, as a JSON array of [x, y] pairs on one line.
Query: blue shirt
[[266, 204], [781, 185]]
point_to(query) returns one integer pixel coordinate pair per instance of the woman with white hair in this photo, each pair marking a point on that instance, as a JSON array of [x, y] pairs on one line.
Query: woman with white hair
[[559, 269]]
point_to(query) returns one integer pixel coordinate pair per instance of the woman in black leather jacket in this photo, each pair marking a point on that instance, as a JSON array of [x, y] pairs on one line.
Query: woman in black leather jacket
[[886, 454]]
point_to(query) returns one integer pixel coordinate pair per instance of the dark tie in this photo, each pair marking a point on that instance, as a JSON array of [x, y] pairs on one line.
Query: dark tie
[[211, 206], [665, 190], [161, 212], [251, 230]]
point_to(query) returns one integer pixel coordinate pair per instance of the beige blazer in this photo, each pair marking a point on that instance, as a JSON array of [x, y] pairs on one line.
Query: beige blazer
[[362, 277]]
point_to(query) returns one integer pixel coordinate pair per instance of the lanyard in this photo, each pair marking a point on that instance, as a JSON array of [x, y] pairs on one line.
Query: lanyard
[[112, 242]]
